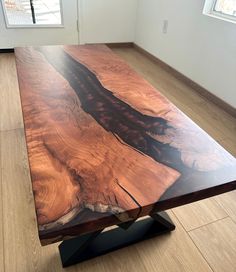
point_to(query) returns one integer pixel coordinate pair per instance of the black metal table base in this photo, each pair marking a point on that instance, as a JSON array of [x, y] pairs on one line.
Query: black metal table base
[[99, 243]]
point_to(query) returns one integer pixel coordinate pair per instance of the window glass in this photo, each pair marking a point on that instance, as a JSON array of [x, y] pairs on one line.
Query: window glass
[[226, 6], [32, 12]]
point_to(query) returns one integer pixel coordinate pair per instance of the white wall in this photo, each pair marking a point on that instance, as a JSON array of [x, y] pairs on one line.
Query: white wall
[[200, 47], [107, 21], [42, 36]]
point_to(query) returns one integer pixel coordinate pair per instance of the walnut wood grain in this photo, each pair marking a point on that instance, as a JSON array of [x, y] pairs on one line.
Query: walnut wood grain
[[103, 145]]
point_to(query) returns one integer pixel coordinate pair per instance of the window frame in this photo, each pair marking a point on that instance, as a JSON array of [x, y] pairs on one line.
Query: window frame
[[30, 26], [220, 14]]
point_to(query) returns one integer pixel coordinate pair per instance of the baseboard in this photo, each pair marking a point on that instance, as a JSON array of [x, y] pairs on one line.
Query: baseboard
[[124, 44], [199, 89], [7, 50]]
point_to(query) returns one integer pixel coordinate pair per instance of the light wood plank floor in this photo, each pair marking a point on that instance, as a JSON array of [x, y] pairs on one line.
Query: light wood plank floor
[[205, 238]]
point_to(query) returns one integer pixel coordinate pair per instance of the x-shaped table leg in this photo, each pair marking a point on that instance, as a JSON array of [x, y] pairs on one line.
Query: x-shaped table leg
[[98, 243]]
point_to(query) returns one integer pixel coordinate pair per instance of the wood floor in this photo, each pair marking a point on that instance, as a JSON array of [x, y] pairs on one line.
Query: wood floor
[[205, 237]]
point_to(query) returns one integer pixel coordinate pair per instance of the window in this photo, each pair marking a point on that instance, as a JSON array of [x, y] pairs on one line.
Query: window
[[225, 7], [221, 9], [28, 13]]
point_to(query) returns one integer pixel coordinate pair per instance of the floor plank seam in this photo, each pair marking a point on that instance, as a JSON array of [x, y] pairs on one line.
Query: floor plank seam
[[203, 224], [201, 253], [3, 237], [13, 129], [214, 221], [193, 241], [222, 207]]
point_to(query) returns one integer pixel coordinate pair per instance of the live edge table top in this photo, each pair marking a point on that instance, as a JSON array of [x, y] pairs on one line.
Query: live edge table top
[[104, 146]]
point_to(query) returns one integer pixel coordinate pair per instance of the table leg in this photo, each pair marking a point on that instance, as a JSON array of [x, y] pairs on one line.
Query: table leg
[[98, 243]]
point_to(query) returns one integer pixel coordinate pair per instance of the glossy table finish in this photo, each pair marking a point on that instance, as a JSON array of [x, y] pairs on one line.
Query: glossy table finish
[[104, 146]]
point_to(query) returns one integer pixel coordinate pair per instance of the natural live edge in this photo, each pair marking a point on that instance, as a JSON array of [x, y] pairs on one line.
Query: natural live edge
[[196, 87], [116, 116], [202, 91], [105, 146], [119, 118]]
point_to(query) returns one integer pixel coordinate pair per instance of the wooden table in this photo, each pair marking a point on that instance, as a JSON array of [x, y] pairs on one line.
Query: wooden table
[[106, 148]]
